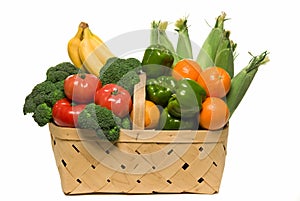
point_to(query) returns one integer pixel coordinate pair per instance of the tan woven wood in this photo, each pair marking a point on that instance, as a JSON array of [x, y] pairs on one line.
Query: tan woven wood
[[161, 164]]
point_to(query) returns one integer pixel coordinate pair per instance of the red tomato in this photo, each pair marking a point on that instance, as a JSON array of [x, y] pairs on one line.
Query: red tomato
[[64, 114], [115, 98], [81, 88]]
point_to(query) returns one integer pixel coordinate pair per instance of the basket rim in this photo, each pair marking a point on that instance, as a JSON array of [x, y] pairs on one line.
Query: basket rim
[[144, 136]]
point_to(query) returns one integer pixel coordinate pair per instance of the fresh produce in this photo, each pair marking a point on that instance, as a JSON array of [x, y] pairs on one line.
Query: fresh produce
[[73, 45], [45, 94], [216, 81], [226, 54], [65, 114], [101, 120], [169, 122], [187, 100], [155, 59], [60, 72], [152, 115], [81, 88], [160, 90], [42, 114], [87, 50], [97, 92], [214, 114], [186, 68], [241, 82], [217, 49], [154, 33], [124, 122], [184, 46], [115, 98], [123, 72], [159, 36]]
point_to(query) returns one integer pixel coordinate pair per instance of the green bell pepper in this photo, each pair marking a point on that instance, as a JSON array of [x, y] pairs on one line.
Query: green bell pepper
[[168, 122], [160, 90], [155, 60], [187, 100]]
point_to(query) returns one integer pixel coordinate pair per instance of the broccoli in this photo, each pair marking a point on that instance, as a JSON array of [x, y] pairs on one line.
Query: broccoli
[[123, 72], [128, 81], [61, 71], [101, 120], [124, 122], [47, 93], [42, 114]]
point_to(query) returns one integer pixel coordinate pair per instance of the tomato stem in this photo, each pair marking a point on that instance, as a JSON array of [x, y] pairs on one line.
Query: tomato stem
[[115, 91], [82, 75]]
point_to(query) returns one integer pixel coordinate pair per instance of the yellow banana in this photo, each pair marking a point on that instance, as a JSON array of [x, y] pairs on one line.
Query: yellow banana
[[73, 45], [102, 51], [93, 52], [87, 54]]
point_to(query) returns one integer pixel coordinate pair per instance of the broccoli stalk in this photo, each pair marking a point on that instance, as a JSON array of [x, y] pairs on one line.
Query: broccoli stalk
[[101, 120], [45, 94]]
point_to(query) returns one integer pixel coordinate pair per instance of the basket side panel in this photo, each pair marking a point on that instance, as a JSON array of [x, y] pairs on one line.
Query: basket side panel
[[176, 168]]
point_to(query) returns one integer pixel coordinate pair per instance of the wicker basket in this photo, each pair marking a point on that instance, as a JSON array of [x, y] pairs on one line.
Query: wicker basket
[[141, 161]]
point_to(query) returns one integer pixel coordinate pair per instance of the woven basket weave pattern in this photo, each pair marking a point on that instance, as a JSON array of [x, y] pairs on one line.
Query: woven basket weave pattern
[[153, 166]]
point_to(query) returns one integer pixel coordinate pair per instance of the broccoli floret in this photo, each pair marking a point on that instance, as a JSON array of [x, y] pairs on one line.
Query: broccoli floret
[[42, 114], [61, 71], [101, 120], [48, 92], [128, 81], [38, 95], [54, 96], [124, 122], [123, 72]]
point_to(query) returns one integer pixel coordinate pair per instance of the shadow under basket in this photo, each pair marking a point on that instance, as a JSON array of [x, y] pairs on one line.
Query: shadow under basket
[[168, 162]]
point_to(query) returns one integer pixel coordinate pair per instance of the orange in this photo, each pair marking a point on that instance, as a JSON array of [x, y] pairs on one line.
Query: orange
[[214, 114], [216, 81], [186, 68], [152, 115]]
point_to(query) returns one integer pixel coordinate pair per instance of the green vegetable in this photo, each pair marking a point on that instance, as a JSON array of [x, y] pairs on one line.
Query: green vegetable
[[160, 90], [225, 54], [45, 94], [42, 114], [101, 120], [187, 101], [241, 82], [123, 72], [154, 33], [169, 122], [218, 49], [159, 36], [155, 60], [123, 122], [184, 47], [61, 71]]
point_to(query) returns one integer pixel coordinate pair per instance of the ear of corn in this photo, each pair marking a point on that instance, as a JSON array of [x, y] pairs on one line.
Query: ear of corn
[[209, 48], [225, 60], [218, 49], [154, 33], [184, 47], [241, 82]]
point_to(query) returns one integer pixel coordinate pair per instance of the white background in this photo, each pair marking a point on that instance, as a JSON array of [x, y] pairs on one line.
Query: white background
[[263, 147]]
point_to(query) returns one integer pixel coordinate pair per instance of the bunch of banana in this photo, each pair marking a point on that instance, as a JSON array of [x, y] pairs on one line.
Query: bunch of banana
[[87, 51]]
